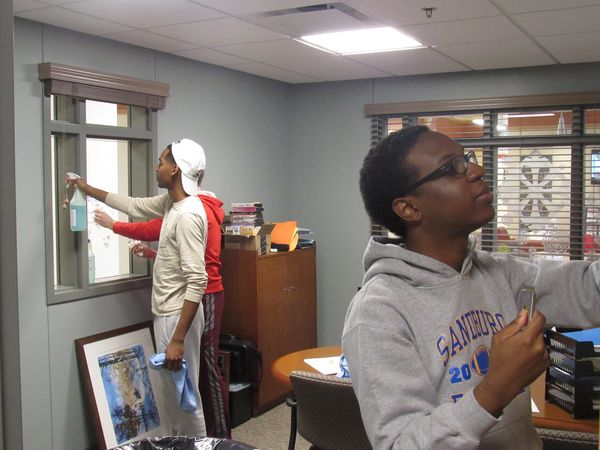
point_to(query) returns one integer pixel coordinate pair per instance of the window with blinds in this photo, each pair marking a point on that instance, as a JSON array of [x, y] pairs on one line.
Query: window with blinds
[[543, 164]]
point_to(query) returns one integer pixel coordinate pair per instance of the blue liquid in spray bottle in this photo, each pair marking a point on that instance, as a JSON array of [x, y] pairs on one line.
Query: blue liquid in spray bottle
[[77, 208]]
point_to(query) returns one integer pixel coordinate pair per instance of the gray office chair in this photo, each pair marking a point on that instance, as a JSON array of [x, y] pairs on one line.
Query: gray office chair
[[328, 415], [567, 440]]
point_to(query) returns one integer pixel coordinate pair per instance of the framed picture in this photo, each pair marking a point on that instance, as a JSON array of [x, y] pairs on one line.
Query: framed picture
[[119, 385]]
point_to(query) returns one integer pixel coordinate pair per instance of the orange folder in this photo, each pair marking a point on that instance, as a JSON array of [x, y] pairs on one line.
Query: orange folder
[[285, 233]]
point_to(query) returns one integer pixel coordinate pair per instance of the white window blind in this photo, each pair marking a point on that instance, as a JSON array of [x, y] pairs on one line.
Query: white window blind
[[543, 164]]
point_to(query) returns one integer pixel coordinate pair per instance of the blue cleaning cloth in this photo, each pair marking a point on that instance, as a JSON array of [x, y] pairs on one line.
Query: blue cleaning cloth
[[344, 371], [183, 384]]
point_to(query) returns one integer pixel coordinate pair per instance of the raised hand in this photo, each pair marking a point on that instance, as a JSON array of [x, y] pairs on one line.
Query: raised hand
[[103, 219]]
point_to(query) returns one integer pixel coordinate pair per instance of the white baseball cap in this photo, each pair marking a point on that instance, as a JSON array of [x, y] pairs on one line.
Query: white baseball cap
[[189, 157]]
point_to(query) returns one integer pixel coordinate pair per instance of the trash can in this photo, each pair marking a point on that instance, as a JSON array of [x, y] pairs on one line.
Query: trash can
[[240, 403], [185, 443]]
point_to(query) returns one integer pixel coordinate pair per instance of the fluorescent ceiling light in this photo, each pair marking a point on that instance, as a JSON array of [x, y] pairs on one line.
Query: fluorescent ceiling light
[[531, 115], [373, 40]]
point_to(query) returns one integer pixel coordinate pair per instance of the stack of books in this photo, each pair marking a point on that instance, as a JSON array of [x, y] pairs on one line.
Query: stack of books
[[247, 214], [305, 238], [573, 378]]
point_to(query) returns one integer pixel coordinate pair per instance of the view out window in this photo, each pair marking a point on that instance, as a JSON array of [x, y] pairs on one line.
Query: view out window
[[394, 124], [543, 165], [111, 146], [455, 126], [592, 121], [534, 123]]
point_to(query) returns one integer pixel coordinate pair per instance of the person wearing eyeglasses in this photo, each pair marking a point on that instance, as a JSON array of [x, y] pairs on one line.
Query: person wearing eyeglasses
[[439, 348]]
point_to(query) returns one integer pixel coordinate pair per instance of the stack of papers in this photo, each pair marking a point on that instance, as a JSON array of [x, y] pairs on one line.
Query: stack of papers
[[327, 366]]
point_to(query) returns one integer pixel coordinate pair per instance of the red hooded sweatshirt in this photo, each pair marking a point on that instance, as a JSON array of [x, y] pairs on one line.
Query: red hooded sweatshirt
[[150, 231]]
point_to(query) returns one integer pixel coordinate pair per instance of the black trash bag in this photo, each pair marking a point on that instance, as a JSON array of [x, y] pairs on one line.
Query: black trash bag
[[184, 443]]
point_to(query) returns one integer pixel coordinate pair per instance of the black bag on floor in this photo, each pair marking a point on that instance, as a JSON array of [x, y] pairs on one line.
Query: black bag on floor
[[245, 364]]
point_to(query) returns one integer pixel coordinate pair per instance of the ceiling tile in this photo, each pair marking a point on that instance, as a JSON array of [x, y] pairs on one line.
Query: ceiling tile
[[564, 21], [272, 50], [401, 58], [150, 40], [218, 32], [145, 13], [26, 5], [464, 34], [330, 67], [499, 48], [211, 56], [462, 31], [519, 6], [60, 2], [275, 73], [506, 62], [410, 12], [73, 21], [418, 69], [310, 22], [573, 48]]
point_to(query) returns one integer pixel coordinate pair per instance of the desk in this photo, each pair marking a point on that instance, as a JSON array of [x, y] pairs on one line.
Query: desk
[[283, 366], [550, 415]]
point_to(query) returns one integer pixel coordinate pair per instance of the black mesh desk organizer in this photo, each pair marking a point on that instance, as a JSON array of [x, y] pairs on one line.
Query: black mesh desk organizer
[[573, 378]]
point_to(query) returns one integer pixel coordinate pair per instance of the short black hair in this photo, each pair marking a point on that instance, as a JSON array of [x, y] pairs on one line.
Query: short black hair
[[169, 155], [385, 175]]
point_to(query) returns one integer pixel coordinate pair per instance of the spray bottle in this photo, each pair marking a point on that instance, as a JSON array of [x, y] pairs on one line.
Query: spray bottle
[[91, 264], [77, 207]]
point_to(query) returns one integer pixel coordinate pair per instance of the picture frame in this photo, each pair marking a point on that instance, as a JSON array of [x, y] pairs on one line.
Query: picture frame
[[120, 387]]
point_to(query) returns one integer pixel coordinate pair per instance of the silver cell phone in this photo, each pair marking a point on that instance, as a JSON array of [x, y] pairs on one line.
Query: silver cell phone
[[527, 299]]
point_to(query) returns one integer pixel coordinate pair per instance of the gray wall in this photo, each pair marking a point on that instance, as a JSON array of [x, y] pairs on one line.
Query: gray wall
[[241, 120], [330, 137], [9, 311], [296, 148]]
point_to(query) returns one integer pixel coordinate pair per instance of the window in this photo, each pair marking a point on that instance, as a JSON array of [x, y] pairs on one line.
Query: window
[[543, 164], [112, 145]]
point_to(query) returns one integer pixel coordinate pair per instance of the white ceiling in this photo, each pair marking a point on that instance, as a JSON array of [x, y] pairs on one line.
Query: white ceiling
[[255, 36]]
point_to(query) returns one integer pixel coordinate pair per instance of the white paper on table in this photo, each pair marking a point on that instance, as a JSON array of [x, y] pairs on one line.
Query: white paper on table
[[534, 407], [327, 366]]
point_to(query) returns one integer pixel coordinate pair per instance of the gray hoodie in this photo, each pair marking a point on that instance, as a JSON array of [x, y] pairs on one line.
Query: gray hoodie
[[417, 339]]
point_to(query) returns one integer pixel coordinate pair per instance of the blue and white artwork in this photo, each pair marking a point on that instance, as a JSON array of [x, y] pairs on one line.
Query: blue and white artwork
[[129, 393]]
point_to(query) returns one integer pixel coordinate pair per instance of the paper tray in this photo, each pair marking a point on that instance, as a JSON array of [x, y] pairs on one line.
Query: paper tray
[[569, 346], [577, 368], [578, 409], [585, 387]]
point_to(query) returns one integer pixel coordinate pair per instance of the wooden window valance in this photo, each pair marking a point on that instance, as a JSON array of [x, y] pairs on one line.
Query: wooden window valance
[[61, 79], [525, 101]]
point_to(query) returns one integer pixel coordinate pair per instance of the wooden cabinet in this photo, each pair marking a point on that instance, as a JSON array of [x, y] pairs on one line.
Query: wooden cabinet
[[271, 301]]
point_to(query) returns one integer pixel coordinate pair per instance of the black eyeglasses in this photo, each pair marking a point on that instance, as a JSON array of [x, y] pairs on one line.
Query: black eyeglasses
[[457, 166]]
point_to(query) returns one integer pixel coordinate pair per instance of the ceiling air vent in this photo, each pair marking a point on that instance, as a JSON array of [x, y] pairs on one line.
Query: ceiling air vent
[[339, 6]]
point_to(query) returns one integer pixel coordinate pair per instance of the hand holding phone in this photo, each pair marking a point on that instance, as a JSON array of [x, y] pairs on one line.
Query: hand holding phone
[[526, 298]]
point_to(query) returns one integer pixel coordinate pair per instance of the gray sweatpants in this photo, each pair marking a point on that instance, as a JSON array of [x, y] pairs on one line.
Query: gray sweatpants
[[177, 422]]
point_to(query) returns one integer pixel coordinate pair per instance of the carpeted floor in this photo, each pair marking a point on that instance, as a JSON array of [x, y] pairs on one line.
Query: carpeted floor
[[269, 431]]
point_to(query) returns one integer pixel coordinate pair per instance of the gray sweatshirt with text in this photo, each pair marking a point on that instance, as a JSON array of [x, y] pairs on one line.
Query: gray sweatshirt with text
[[417, 338]]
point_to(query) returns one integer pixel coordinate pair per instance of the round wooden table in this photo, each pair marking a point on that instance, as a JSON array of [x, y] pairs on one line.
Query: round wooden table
[[550, 415], [283, 366]]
